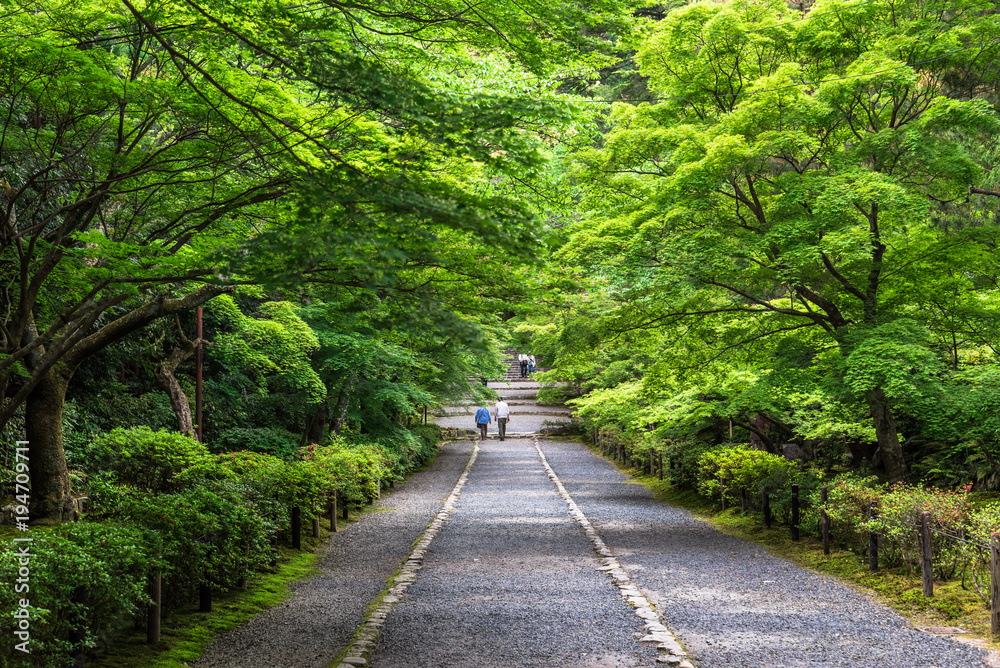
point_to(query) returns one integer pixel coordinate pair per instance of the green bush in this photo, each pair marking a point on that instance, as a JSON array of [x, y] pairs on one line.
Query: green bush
[[145, 458], [88, 576], [211, 534], [732, 471], [269, 440], [680, 461], [355, 469]]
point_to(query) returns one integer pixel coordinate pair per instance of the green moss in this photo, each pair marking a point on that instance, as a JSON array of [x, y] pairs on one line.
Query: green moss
[[185, 634]]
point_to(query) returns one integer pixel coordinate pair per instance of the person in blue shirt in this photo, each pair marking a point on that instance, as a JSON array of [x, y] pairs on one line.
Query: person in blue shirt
[[483, 420]]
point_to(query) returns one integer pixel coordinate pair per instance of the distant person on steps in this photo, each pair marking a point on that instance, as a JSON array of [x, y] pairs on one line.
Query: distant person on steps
[[523, 360], [531, 364], [483, 420], [502, 414]]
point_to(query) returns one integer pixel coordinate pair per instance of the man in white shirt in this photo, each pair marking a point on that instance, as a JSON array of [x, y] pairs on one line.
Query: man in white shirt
[[523, 361], [502, 414]]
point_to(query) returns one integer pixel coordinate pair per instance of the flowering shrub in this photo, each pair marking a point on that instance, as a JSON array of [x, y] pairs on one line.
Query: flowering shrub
[[897, 522]]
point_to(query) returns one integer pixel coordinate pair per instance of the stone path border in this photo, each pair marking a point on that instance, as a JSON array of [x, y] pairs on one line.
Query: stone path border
[[670, 648], [364, 641]]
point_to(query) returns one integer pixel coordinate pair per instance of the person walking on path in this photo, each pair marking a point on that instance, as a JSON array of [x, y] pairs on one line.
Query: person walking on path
[[483, 420], [523, 360], [531, 364], [502, 414]]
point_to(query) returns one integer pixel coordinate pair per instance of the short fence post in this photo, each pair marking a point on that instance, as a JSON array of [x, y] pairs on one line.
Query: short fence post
[[824, 520], [795, 512], [296, 528], [926, 562], [995, 584], [659, 456], [333, 512], [315, 527], [204, 598], [153, 612], [767, 510], [873, 541]]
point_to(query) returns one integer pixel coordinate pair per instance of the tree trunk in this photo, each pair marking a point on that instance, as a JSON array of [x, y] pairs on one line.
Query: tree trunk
[[51, 500], [340, 410], [888, 437], [763, 426], [317, 427], [164, 373]]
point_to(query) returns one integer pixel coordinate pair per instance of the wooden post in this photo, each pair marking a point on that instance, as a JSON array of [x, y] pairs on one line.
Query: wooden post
[[767, 510], [926, 561], [204, 598], [153, 612], [425, 413], [296, 528], [995, 584], [315, 527], [824, 520], [795, 512], [660, 458], [873, 541], [333, 512]]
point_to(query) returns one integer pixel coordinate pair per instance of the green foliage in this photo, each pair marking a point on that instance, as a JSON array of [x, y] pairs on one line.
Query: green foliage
[[268, 440], [88, 576], [355, 469], [733, 471], [145, 458], [210, 534]]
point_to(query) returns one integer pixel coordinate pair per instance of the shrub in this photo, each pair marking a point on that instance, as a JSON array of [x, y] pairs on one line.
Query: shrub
[[269, 440], [211, 534], [680, 460], [86, 576], [145, 458], [733, 471], [355, 469]]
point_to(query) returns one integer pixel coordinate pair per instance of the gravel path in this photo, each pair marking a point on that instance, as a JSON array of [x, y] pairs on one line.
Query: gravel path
[[730, 602], [511, 581], [311, 627]]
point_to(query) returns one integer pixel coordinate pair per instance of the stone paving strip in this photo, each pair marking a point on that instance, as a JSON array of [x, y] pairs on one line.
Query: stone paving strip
[[671, 651], [364, 642]]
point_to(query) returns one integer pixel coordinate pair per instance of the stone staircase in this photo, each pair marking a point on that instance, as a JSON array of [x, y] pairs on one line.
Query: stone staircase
[[513, 370]]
